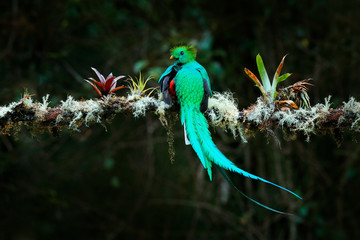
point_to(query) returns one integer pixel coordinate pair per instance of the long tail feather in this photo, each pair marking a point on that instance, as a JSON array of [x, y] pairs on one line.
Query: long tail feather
[[187, 141], [200, 138], [218, 158], [222, 172], [195, 141]]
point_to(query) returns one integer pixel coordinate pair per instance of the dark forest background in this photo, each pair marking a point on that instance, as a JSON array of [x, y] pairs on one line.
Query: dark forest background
[[118, 182]]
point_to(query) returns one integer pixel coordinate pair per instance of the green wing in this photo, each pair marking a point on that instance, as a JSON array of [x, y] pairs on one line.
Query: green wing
[[167, 72], [204, 74]]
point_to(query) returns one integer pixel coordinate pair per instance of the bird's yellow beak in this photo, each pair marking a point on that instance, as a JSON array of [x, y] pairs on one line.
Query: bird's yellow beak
[[171, 57]]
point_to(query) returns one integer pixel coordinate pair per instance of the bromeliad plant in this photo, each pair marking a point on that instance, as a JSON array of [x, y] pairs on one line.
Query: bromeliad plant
[[269, 90], [106, 86], [294, 95], [137, 85]]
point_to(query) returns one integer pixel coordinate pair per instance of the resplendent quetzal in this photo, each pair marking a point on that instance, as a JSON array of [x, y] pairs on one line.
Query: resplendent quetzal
[[187, 83]]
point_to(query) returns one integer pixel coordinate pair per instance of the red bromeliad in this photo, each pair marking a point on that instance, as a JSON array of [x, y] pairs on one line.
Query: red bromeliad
[[105, 86]]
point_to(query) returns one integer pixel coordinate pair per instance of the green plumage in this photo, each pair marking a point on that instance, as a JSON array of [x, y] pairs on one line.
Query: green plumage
[[192, 88]]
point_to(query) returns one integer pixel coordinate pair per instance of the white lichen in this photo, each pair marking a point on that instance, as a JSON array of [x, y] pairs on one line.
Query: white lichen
[[133, 96], [261, 112], [28, 103], [41, 108], [303, 120], [325, 107], [119, 108], [92, 109], [351, 109], [140, 106], [223, 111], [160, 111], [67, 104], [72, 124], [45, 102], [6, 109], [59, 119], [226, 107]]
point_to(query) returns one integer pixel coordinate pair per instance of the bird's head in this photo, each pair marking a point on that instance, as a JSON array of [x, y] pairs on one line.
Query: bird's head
[[183, 54]]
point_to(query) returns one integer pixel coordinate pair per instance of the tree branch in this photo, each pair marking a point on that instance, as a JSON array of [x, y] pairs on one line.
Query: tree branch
[[223, 112]]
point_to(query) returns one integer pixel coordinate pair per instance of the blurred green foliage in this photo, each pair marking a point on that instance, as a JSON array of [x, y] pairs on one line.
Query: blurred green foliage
[[118, 183]]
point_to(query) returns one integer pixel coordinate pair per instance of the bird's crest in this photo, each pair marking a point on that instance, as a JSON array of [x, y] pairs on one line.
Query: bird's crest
[[187, 47]]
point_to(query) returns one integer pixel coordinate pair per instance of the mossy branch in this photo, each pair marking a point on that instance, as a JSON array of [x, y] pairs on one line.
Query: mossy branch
[[223, 112]]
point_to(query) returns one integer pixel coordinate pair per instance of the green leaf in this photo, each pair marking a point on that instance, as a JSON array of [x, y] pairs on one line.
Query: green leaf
[[278, 70], [275, 83], [274, 94], [283, 77], [306, 100], [277, 78], [253, 77], [256, 81], [263, 74]]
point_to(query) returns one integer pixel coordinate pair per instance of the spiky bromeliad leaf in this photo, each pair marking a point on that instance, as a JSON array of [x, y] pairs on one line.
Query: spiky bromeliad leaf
[[278, 70], [283, 77], [104, 86], [305, 100], [263, 74], [277, 78], [256, 81], [275, 83], [137, 85]]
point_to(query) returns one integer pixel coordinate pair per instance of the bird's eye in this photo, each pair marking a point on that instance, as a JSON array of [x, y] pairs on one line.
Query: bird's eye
[[182, 52]]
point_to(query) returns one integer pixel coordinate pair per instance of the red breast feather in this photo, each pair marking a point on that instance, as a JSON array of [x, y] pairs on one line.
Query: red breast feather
[[172, 89]]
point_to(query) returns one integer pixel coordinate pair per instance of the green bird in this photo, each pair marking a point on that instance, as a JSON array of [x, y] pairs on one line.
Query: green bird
[[187, 84]]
